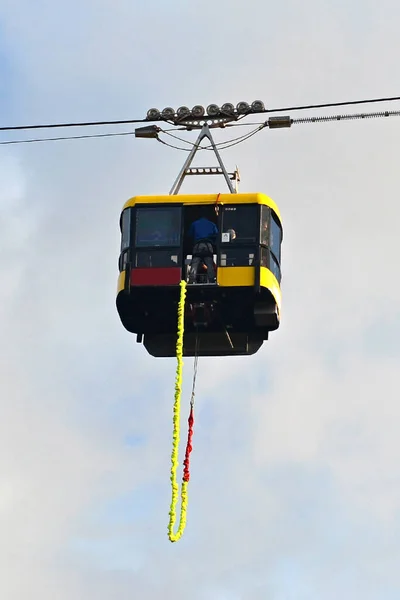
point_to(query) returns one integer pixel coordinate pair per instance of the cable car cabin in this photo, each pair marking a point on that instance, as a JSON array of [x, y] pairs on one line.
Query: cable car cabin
[[232, 316]]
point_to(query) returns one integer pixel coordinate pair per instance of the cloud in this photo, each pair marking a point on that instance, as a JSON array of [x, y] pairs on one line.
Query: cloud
[[294, 490]]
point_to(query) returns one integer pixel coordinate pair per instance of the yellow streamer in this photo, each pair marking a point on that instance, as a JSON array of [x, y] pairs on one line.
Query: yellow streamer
[[174, 537]]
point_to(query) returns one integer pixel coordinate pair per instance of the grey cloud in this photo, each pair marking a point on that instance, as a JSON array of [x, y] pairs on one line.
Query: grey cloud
[[294, 490]]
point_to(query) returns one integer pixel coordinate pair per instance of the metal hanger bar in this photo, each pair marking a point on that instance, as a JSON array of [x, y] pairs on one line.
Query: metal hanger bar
[[204, 133]]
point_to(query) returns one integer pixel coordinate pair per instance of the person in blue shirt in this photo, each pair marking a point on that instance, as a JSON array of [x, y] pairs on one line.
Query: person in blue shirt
[[203, 233]]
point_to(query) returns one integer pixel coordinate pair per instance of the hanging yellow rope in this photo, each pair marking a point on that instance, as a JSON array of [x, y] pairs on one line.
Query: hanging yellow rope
[[174, 537]]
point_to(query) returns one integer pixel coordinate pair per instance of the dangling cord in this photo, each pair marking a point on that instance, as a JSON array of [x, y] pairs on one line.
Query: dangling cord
[[174, 537], [186, 462], [176, 420]]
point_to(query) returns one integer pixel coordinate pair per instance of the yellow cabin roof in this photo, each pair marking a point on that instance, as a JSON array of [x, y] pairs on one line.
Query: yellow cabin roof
[[253, 198]]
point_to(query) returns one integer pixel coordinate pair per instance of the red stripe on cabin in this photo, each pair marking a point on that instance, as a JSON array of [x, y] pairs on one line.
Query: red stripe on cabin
[[156, 276]]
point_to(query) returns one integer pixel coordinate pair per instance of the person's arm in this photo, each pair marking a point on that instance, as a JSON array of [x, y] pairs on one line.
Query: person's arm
[[214, 234]]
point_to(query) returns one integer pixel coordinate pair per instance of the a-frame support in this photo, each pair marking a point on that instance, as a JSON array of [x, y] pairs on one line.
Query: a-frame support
[[187, 170]]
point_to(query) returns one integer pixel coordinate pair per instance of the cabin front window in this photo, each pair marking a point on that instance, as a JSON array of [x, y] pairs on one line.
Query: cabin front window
[[158, 238], [239, 224], [157, 258], [158, 227], [237, 257]]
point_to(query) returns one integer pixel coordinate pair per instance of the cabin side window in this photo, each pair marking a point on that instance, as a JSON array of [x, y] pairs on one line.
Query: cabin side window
[[125, 238], [275, 238], [126, 229], [265, 224], [271, 239], [268, 261]]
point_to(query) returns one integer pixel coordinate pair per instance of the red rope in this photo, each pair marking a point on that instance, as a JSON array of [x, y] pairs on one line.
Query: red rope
[[186, 473]]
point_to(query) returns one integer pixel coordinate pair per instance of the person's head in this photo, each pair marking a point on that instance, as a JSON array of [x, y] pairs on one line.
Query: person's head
[[232, 234]]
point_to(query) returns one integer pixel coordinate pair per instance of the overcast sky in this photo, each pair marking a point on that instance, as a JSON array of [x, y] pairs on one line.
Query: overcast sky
[[295, 488]]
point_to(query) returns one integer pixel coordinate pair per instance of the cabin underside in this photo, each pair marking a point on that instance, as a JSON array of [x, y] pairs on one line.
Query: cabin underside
[[204, 343], [226, 321]]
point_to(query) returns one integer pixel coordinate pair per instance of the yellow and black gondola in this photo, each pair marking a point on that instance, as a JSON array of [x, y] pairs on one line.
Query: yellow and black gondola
[[231, 317]]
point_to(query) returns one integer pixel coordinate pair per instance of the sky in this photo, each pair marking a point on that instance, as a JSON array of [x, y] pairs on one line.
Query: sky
[[295, 487]]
